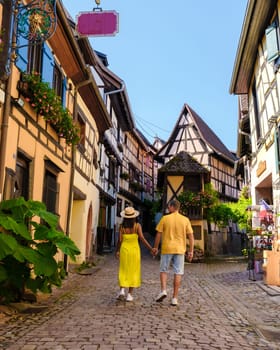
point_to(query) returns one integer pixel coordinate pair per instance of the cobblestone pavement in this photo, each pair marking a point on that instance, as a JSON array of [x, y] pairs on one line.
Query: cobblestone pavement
[[219, 308]]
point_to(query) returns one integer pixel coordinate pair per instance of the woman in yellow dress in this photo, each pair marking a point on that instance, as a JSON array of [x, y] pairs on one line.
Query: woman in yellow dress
[[128, 251]]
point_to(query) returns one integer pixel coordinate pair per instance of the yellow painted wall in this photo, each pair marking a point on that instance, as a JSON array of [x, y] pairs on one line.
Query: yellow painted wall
[[84, 180], [36, 144], [175, 182]]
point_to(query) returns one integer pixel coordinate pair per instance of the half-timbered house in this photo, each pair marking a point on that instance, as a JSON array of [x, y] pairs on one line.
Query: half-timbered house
[[256, 81], [53, 157], [192, 135], [138, 176], [184, 173], [192, 139]]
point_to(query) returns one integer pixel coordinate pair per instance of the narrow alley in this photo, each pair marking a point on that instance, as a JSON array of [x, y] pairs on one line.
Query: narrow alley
[[219, 308]]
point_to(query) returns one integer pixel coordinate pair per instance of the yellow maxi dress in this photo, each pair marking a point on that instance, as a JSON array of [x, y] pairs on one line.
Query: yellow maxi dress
[[130, 261]]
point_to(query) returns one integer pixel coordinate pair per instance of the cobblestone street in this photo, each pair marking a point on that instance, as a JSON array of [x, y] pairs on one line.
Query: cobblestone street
[[219, 308]]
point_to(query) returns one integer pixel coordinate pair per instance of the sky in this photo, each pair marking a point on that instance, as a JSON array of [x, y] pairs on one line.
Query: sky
[[170, 53]]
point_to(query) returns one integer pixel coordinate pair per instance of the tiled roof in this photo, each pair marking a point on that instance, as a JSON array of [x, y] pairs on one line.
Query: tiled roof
[[209, 136], [183, 163]]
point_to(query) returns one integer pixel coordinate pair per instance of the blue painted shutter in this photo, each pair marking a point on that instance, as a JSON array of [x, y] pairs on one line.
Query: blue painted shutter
[[47, 65], [272, 42], [22, 54], [64, 90]]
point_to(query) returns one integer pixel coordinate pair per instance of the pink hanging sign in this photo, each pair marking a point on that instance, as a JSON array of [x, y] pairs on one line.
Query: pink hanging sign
[[103, 23]]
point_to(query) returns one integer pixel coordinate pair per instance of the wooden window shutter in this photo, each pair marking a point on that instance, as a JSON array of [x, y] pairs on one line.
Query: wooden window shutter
[[272, 42]]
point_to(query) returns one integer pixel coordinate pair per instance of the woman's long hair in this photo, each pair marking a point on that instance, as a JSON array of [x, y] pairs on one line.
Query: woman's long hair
[[128, 223]]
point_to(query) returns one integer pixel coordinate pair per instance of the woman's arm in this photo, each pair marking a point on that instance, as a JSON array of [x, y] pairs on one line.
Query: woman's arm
[[142, 238], [117, 252]]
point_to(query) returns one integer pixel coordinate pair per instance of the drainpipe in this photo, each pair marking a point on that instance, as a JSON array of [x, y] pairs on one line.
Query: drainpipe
[[114, 91], [4, 133], [7, 103]]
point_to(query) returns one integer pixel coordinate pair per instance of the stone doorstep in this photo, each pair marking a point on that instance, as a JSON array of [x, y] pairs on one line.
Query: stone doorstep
[[89, 271], [270, 290], [269, 333], [23, 308], [26, 308]]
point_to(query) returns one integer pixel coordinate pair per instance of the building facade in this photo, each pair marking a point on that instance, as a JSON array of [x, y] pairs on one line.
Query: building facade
[[256, 81]]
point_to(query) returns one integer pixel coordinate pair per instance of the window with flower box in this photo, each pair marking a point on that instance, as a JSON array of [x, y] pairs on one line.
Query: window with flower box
[[39, 58]]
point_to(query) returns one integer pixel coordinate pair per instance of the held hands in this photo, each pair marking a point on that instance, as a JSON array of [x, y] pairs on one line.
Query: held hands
[[189, 256], [154, 252]]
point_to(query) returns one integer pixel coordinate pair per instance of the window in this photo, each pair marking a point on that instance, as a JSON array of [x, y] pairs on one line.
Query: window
[[82, 128], [59, 84], [17, 182], [51, 187], [119, 206], [256, 110], [192, 183], [35, 58], [22, 178], [112, 171], [39, 58]]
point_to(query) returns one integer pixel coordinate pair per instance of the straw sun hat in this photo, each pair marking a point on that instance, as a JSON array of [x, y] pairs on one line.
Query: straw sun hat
[[129, 213]]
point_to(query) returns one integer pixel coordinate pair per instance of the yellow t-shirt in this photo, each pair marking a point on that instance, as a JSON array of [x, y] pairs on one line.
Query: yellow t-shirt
[[174, 227]]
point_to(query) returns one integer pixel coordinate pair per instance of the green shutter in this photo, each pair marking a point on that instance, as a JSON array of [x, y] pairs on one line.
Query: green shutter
[[272, 42]]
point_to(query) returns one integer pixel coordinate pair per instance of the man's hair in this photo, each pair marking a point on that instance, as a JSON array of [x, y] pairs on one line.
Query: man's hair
[[174, 203]]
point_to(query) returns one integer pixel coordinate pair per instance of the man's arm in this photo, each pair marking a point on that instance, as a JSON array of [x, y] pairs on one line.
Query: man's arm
[[157, 241], [191, 241]]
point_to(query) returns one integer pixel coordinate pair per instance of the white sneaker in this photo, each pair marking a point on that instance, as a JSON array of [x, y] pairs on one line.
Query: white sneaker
[[162, 295], [174, 302], [129, 297], [121, 295]]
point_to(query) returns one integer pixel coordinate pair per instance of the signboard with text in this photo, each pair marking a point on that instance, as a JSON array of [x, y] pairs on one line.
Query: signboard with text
[[103, 23]]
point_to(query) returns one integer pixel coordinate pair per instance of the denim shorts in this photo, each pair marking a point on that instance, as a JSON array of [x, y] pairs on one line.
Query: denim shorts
[[177, 261]]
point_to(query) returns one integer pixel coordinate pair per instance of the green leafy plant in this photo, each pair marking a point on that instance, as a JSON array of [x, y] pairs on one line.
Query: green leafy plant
[[204, 199], [47, 103], [124, 176], [29, 242], [136, 186], [222, 213], [248, 252]]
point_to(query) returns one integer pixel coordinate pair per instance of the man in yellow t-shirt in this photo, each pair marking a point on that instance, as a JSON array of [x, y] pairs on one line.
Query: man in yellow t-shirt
[[172, 232]]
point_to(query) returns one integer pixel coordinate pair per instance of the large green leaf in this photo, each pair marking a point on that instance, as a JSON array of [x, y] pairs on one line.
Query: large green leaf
[[47, 266], [27, 254], [46, 249], [8, 245], [41, 231], [49, 218], [39, 209], [11, 204], [68, 247], [9, 224]]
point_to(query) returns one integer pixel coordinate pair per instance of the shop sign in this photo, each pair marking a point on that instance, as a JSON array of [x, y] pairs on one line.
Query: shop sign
[[103, 23]]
